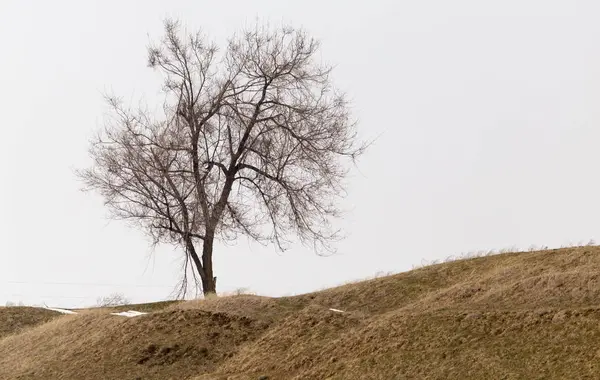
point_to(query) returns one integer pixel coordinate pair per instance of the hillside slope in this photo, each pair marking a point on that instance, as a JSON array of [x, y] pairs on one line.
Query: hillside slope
[[531, 315], [16, 319]]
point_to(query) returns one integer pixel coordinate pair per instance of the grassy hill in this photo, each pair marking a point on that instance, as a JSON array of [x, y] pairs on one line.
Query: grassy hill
[[16, 319], [529, 315]]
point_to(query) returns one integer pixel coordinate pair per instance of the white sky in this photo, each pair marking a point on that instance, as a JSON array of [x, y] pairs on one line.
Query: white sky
[[488, 112]]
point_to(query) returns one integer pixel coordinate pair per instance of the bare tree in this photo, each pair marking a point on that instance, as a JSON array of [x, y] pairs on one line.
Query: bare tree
[[249, 143], [114, 299]]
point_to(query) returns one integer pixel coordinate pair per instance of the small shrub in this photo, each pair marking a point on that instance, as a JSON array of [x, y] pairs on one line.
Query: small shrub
[[115, 299]]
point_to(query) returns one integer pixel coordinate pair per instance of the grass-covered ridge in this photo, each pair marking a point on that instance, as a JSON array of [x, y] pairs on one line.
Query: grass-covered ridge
[[527, 315]]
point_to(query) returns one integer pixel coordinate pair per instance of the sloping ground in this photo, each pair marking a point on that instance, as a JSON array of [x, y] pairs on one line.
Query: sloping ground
[[16, 319], [268, 310], [170, 344], [141, 307], [512, 316]]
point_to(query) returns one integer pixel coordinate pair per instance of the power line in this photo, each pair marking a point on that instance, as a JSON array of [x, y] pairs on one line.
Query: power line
[[43, 296], [86, 284]]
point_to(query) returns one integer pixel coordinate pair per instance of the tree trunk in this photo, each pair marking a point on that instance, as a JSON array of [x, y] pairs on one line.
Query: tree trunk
[[204, 266], [209, 282]]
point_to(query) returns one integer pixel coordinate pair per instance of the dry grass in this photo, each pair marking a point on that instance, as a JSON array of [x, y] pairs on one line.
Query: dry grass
[[533, 315], [170, 344], [18, 318], [259, 308], [142, 307]]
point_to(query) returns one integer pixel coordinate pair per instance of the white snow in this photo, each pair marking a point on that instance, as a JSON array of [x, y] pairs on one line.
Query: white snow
[[64, 311], [337, 310], [129, 314]]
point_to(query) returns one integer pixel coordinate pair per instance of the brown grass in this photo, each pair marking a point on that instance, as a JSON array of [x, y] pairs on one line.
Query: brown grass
[[142, 307], [533, 315], [15, 319]]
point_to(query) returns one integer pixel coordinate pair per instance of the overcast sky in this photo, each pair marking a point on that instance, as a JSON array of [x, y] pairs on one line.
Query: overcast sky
[[488, 112]]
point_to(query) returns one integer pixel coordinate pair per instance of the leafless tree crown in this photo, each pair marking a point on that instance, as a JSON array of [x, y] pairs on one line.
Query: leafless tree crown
[[249, 143], [114, 299]]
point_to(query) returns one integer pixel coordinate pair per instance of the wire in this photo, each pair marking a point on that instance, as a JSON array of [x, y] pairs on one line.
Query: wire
[[42, 296], [87, 284]]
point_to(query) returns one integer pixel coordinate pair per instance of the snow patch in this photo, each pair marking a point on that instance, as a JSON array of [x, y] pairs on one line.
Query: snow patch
[[129, 313], [63, 311], [337, 310]]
